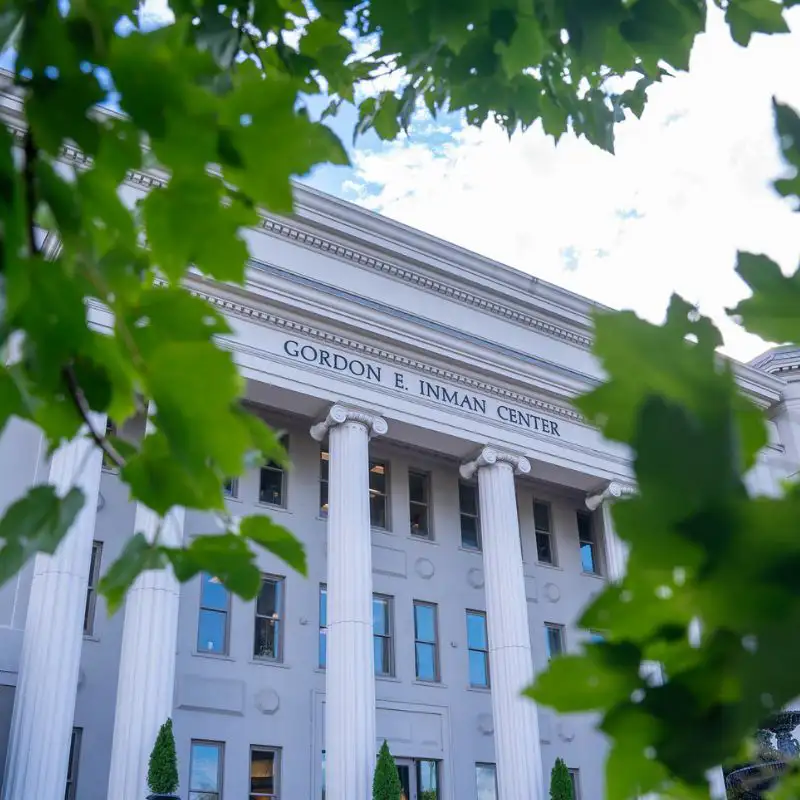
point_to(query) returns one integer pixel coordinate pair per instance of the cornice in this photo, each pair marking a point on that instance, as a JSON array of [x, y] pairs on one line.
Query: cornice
[[271, 319]]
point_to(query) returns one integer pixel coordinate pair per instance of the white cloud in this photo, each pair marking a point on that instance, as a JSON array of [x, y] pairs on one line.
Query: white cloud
[[689, 185]]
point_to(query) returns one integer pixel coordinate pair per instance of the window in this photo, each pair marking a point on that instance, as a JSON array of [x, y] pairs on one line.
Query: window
[[108, 463], [324, 462], [554, 639], [486, 779], [212, 627], [323, 626], [378, 494], [587, 543], [231, 488], [478, 645], [419, 503], [272, 486], [264, 773], [426, 650], [72, 764], [427, 779], [382, 634], [545, 552], [205, 771], [574, 776], [91, 589], [470, 523], [269, 616], [596, 637]]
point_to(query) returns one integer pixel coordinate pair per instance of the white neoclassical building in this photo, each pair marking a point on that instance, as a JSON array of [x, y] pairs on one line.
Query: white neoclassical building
[[453, 504]]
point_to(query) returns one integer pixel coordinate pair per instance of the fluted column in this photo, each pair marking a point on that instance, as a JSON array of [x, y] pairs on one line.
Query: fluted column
[[350, 675], [147, 662], [616, 551], [516, 724], [44, 703]]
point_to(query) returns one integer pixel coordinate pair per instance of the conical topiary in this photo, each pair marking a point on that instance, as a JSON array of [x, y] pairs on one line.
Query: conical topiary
[[560, 782], [386, 783], [162, 773]]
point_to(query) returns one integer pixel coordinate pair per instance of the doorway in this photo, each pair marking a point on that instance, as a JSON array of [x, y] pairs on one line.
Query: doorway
[[405, 769], [419, 778]]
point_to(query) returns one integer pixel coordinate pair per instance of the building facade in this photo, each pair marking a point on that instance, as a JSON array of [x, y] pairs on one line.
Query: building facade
[[453, 505]]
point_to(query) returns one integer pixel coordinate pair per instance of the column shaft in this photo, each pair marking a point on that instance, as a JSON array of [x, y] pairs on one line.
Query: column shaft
[[516, 725], [44, 704], [147, 663], [350, 681], [616, 550]]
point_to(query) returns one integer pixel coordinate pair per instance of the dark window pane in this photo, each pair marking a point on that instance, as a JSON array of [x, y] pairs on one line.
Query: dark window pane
[[383, 655], [271, 488], [323, 499], [262, 772], [213, 593], [323, 606], [323, 649], [268, 603], [419, 519], [467, 498], [418, 487], [425, 622], [476, 631], [541, 517], [377, 477], [543, 550], [377, 510], [426, 661], [324, 460], [587, 557], [478, 675], [267, 641], [469, 532], [211, 631], [555, 641], [585, 533]]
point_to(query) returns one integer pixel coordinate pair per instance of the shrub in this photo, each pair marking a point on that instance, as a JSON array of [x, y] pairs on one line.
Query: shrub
[[560, 782], [386, 783], [162, 773]]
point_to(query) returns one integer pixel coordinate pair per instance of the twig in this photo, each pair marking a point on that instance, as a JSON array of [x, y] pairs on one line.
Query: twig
[[76, 393]]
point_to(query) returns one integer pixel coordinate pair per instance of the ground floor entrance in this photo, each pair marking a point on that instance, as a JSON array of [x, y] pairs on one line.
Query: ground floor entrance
[[419, 778]]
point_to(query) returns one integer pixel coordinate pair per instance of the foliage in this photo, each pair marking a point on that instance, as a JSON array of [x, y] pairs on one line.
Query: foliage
[[560, 782], [703, 551], [386, 783], [162, 771], [218, 103]]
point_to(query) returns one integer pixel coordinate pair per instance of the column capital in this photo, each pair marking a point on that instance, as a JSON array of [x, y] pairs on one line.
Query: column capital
[[491, 455], [613, 491], [339, 414]]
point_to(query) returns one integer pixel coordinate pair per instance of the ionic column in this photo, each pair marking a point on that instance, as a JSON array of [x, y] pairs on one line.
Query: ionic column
[[350, 675], [44, 704], [616, 551], [147, 662], [516, 724]]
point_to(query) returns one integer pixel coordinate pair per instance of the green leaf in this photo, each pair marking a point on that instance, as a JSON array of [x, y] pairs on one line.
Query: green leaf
[[746, 17], [275, 538], [526, 47], [787, 124], [773, 310], [194, 221], [136, 557], [35, 523], [225, 556]]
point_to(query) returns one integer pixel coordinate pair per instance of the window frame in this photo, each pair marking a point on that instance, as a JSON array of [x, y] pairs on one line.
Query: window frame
[[426, 503], [230, 489], [386, 637], [90, 608], [561, 631], [591, 541], [323, 591], [435, 643], [486, 765], [472, 485], [73, 764], [272, 466], [227, 612], [386, 494], [277, 758], [575, 777], [280, 620], [195, 794], [550, 533], [482, 650], [324, 458]]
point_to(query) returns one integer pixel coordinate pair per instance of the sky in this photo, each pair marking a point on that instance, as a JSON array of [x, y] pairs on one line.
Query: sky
[[689, 185]]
